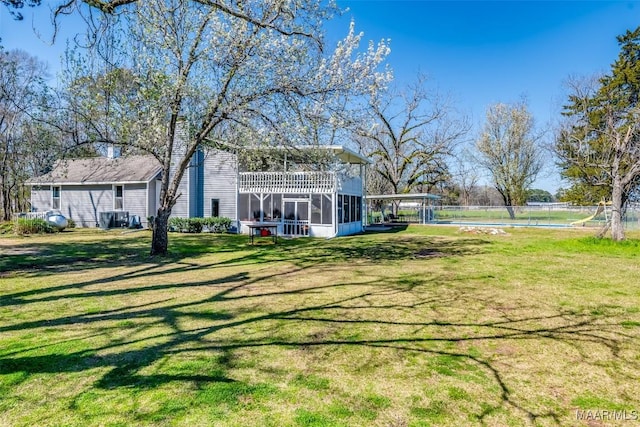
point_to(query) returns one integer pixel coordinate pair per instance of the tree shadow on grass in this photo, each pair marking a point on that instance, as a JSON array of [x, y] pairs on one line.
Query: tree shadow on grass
[[346, 305], [59, 258], [129, 358], [55, 256]]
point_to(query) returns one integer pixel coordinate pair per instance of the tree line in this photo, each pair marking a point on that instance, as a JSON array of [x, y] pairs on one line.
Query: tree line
[[233, 71]]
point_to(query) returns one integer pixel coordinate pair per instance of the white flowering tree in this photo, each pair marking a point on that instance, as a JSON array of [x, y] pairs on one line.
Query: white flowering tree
[[241, 71]]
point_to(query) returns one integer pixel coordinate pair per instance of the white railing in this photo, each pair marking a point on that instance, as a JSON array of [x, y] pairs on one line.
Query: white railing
[[32, 215], [295, 227], [287, 182]]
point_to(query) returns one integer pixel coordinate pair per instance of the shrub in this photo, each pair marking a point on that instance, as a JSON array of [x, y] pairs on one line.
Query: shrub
[[71, 223], [180, 225], [194, 225], [32, 226], [186, 225], [217, 224]]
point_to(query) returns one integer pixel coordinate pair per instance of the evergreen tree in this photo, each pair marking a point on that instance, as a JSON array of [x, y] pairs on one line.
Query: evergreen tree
[[599, 144]]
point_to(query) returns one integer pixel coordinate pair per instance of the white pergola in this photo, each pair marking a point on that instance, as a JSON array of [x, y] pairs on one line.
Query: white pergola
[[426, 201]]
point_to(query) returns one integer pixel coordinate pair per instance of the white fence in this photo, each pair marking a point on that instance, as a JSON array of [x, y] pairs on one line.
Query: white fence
[[31, 215]]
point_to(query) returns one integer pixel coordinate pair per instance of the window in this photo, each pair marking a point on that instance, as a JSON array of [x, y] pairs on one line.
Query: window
[[254, 205], [215, 207], [118, 202], [321, 212], [316, 209], [276, 205], [55, 197], [326, 209], [346, 208], [271, 205], [340, 219], [359, 208], [249, 207], [354, 208], [243, 206]]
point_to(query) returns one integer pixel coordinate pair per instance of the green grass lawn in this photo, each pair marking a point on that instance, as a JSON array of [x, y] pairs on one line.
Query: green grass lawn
[[423, 327]]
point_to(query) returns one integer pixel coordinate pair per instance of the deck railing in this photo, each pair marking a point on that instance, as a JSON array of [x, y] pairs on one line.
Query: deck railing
[[295, 227], [287, 182]]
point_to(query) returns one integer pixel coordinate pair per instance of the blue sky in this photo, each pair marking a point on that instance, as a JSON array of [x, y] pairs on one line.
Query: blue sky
[[485, 52], [480, 52]]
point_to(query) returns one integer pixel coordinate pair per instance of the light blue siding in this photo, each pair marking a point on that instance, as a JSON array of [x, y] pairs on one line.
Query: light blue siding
[[220, 175], [181, 208], [40, 198], [83, 203], [135, 201]]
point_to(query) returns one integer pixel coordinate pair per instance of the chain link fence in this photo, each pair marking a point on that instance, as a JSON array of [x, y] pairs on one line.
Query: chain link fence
[[542, 216], [553, 215]]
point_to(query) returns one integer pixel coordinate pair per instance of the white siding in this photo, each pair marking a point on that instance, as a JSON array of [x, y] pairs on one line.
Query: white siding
[[326, 231], [83, 203], [220, 172], [40, 198]]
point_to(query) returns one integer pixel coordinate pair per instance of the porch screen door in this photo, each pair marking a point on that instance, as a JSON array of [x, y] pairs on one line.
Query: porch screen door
[[296, 217]]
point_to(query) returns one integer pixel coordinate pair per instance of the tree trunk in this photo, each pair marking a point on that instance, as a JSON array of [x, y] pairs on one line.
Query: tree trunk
[[160, 239], [6, 204], [617, 226], [506, 198]]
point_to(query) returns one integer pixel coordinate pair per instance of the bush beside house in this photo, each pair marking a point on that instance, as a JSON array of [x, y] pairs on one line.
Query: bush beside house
[[198, 225]]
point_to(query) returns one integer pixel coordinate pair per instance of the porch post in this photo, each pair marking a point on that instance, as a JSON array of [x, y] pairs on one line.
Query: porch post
[[364, 208], [334, 212]]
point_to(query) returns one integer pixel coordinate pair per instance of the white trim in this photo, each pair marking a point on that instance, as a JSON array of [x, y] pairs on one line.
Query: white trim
[[59, 196], [334, 212], [114, 196], [146, 205]]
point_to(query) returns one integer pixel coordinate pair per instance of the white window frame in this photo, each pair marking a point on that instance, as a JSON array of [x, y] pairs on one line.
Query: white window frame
[[53, 198], [115, 192]]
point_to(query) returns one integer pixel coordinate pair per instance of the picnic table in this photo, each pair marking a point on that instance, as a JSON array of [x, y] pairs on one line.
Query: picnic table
[[263, 230]]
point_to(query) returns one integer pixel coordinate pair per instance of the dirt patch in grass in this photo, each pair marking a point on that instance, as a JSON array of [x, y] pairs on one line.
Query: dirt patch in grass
[[429, 253]]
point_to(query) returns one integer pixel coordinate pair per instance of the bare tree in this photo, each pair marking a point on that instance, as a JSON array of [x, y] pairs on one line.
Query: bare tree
[[509, 150], [465, 176], [414, 133], [21, 91]]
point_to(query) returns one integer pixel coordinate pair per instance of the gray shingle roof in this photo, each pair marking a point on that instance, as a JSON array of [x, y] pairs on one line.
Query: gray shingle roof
[[101, 170]]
